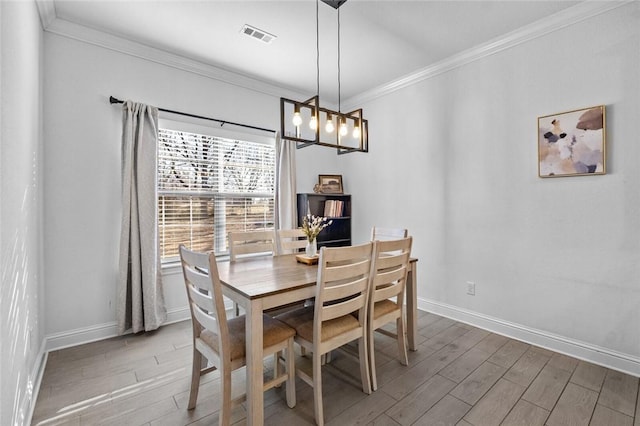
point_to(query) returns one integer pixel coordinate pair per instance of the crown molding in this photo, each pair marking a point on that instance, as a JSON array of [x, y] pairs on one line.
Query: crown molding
[[560, 20], [47, 11], [74, 31], [565, 18]]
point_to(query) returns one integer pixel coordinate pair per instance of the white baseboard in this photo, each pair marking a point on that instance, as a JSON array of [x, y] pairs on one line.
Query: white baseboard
[[597, 355], [177, 315], [35, 379], [80, 336]]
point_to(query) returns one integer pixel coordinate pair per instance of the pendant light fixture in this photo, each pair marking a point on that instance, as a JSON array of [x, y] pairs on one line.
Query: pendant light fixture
[[307, 123]]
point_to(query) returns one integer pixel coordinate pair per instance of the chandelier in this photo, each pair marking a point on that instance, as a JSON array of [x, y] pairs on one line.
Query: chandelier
[[307, 123]]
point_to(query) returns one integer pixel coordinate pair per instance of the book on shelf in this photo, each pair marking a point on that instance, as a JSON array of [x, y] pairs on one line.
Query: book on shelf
[[327, 208], [333, 208]]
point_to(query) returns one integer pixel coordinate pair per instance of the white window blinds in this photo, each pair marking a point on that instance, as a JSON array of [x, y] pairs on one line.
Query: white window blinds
[[208, 186]]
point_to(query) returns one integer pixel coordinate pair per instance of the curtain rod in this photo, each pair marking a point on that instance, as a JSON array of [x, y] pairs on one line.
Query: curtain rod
[[113, 100]]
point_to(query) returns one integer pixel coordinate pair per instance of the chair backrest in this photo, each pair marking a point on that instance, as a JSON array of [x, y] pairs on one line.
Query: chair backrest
[[383, 234], [251, 242], [342, 284], [389, 270], [291, 240], [204, 292]]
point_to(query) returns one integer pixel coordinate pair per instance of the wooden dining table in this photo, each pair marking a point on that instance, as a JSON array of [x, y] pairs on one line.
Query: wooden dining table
[[261, 283]]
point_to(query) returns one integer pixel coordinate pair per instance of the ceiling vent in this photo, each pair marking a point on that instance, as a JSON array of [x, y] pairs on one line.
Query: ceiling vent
[[257, 34]]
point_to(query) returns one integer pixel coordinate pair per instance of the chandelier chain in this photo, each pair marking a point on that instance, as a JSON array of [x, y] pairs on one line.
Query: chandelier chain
[[339, 110], [317, 50]]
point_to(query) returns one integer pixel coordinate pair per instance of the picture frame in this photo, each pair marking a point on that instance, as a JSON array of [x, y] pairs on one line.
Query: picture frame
[[330, 184], [572, 143]]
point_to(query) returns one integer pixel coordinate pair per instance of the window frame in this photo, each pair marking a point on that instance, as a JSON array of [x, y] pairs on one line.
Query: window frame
[[250, 136]]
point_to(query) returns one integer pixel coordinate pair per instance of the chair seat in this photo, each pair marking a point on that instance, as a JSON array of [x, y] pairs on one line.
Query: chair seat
[[384, 307], [274, 332], [302, 321]]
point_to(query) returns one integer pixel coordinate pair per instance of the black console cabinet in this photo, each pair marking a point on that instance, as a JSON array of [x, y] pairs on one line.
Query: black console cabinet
[[339, 232]]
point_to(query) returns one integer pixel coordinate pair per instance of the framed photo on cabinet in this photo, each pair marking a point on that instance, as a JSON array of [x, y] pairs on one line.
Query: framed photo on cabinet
[[330, 184], [572, 143]]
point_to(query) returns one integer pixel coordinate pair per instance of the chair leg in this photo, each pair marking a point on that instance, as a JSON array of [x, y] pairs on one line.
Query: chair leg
[[195, 378], [372, 360], [291, 375], [236, 309], [326, 358], [276, 365], [317, 388], [365, 372], [225, 404], [402, 345], [402, 342]]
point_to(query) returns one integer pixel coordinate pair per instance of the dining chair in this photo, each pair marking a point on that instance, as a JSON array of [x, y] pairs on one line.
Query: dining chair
[[382, 234], [291, 240], [222, 341], [251, 242], [386, 296], [341, 294], [245, 243]]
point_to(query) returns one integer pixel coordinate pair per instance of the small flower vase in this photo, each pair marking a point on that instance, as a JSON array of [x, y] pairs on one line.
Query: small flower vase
[[312, 248]]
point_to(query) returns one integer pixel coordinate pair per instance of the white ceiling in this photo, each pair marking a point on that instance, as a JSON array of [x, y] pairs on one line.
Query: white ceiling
[[381, 41]]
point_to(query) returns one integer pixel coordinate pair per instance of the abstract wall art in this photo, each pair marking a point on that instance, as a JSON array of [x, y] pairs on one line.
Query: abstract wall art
[[572, 143]]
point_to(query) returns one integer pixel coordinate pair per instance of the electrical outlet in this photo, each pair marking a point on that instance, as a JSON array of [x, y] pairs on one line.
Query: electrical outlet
[[471, 288]]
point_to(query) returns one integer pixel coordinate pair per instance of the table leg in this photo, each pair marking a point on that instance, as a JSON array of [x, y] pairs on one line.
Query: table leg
[[255, 396], [412, 305]]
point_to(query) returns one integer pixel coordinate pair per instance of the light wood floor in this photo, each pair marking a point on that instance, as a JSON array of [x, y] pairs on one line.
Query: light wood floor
[[460, 375]]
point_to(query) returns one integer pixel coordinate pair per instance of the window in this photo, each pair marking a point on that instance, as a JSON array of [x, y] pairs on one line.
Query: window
[[208, 186]]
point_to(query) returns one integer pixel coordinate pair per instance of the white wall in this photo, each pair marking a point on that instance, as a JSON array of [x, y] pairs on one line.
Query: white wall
[[82, 172], [454, 159], [21, 296]]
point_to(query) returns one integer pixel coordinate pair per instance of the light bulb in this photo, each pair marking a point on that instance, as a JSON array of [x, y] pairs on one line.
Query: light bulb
[[329, 127], [343, 128], [297, 119], [356, 132], [313, 124]]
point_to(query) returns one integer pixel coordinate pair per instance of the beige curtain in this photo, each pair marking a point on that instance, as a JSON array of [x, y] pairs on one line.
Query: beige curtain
[[286, 209], [140, 301]]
